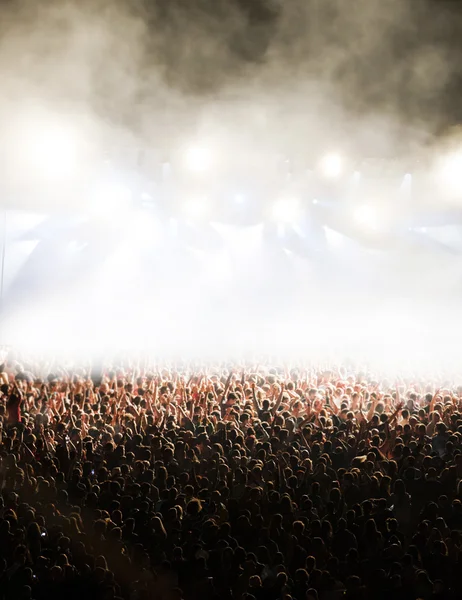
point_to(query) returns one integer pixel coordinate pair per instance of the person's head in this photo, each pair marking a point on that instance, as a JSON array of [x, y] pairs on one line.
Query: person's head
[[193, 507]]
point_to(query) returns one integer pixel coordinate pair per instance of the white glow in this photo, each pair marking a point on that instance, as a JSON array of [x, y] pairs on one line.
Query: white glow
[[149, 229], [362, 334], [241, 241], [451, 172], [281, 230], [218, 268], [332, 165], [75, 246], [334, 238], [18, 253], [236, 296], [198, 159], [50, 150], [111, 200], [19, 222], [173, 226], [366, 216], [286, 210], [196, 207], [406, 185]]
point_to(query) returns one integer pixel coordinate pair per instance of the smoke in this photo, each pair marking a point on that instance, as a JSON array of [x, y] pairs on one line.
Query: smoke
[[155, 67], [368, 77]]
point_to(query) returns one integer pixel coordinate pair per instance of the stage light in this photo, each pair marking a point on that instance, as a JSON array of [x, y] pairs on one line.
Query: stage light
[[198, 159], [239, 198], [366, 217], [286, 210], [332, 165], [196, 208]]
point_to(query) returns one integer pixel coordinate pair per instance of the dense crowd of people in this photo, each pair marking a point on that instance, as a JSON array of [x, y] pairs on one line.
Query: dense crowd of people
[[228, 482]]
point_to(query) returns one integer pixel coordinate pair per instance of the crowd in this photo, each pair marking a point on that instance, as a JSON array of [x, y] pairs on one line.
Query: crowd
[[235, 483]]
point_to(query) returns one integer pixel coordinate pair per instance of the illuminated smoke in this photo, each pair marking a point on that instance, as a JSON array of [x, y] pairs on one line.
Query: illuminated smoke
[[295, 77]]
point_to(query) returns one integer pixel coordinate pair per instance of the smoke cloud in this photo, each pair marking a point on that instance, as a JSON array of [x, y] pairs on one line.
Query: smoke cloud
[[151, 68], [296, 77]]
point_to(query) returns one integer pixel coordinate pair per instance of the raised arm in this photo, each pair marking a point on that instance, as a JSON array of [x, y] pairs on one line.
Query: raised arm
[[255, 400], [275, 408]]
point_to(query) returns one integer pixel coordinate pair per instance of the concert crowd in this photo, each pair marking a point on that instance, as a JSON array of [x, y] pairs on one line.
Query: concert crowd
[[142, 482]]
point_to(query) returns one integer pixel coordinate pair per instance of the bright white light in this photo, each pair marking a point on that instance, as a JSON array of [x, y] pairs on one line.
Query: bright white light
[[451, 172], [286, 210], [145, 230], [218, 268], [166, 171], [111, 199], [366, 217], [198, 159], [19, 253], [196, 208], [332, 165], [239, 198], [173, 227], [51, 151], [334, 238], [406, 184], [281, 230], [75, 246]]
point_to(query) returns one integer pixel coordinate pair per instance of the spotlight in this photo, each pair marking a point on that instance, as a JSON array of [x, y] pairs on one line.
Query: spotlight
[[332, 166], [198, 159], [286, 210]]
